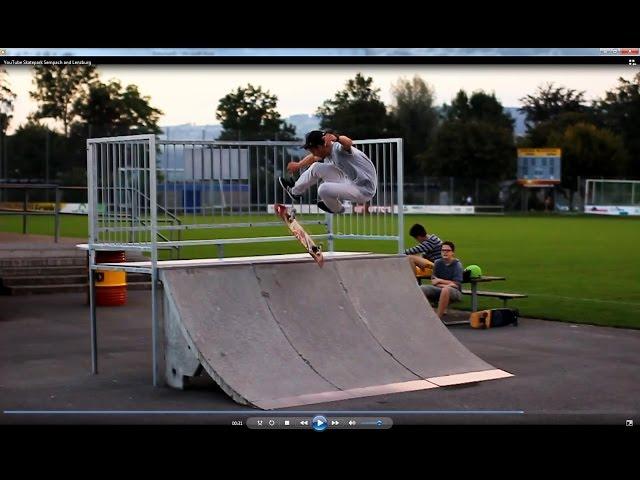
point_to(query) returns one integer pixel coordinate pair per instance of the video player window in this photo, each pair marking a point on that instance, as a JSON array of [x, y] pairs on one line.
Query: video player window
[[320, 239]]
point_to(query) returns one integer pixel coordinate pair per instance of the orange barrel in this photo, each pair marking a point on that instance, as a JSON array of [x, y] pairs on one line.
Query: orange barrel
[[111, 286]]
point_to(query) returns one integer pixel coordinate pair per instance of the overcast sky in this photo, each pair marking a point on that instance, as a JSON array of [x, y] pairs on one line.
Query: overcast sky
[[190, 94]]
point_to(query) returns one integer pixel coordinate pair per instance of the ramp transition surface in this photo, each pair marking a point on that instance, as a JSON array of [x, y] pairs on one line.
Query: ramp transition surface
[[279, 334]]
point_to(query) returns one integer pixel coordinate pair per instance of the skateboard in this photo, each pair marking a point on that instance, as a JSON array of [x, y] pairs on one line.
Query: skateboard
[[288, 217]]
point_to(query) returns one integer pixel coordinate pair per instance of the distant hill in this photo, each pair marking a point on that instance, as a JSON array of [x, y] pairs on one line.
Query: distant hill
[[190, 131], [303, 123], [519, 128]]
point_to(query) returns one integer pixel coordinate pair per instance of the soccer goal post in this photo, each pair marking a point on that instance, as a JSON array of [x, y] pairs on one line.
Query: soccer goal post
[[612, 197]]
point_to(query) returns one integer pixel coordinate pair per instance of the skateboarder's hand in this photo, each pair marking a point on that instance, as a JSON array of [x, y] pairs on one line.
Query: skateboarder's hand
[[293, 166]]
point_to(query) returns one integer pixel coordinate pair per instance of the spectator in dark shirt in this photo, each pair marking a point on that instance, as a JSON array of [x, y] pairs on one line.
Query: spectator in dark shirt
[[423, 255], [445, 285]]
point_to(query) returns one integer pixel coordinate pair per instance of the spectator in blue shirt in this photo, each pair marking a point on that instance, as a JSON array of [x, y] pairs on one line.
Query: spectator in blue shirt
[[445, 285]]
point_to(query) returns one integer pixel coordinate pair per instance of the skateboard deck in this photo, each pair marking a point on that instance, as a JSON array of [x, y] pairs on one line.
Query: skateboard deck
[[303, 237]]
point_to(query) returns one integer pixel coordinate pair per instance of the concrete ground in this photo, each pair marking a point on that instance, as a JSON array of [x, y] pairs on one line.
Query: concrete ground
[[564, 374]]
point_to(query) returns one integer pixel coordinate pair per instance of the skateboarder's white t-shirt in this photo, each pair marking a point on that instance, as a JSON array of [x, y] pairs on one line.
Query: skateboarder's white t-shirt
[[356, 166]]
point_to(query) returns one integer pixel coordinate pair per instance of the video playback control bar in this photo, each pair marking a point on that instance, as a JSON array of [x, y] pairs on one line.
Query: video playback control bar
[[319, 423]]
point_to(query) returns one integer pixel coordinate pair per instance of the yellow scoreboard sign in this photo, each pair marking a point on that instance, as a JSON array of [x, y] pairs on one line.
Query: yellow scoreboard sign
[[539, 167]]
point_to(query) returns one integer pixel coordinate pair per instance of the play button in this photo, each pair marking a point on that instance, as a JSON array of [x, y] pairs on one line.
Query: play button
[[319, 423]]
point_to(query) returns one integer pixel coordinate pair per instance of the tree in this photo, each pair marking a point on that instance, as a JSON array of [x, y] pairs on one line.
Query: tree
[[620, 112], [34, 150], [414, 118], [589, 151], [549, 102], [6, 109], [58, 89], [475, 139], [6, 102], [108, 110], [249, 113], [471, 149], [480, 107], [357, 110], [539, 135]]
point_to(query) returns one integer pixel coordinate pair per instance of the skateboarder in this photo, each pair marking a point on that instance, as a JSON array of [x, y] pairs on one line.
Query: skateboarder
[[346, 173]]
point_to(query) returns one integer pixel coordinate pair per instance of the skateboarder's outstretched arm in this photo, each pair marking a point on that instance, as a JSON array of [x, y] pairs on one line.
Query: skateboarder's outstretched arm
[[305, 162], [343, 140]]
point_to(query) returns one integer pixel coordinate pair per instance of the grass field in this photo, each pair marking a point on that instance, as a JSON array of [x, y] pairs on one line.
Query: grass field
[[580, 269]]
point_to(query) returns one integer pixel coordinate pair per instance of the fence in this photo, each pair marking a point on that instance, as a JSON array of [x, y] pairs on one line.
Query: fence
[[20, 199], [432, 190], [142, 192]]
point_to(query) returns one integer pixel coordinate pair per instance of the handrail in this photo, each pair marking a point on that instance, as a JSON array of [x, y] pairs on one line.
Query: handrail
[[25, 212], [174, 218]]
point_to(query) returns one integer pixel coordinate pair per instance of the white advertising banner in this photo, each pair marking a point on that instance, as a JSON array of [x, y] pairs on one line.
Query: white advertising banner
[[440, 209], [407, 209], [77, 208], [308, 208], [611, 210]]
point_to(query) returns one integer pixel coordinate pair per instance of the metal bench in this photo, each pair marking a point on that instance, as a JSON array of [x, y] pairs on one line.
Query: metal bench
[[501, 295], [475, 293]]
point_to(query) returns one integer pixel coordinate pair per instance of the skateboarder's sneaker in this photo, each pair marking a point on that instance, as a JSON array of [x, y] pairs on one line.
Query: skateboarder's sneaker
[[323, 206], [287, 184]]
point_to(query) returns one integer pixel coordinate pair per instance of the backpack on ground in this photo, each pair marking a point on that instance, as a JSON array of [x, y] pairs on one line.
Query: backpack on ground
[[496, 317]]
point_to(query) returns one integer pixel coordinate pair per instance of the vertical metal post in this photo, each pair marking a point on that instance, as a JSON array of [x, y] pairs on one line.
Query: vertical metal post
[[474, 296], [117, 184], [424, 192], [384, 189], [584, 199], [92, 210], [154, 254], [57, 216], [450, 190], [107, 204], [329, 219], [378, 231], [24, 208], [92, 310], [400, 166], [46, 162]]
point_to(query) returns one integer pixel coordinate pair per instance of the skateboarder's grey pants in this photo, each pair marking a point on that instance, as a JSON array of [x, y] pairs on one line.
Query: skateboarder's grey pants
[[336, 186]]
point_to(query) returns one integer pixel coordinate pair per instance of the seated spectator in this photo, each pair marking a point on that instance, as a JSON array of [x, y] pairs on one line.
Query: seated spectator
[[446, 279], [422, 256]]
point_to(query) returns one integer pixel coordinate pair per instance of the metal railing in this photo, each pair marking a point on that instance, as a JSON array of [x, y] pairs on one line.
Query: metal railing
[[26, 212], [141, 189]]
